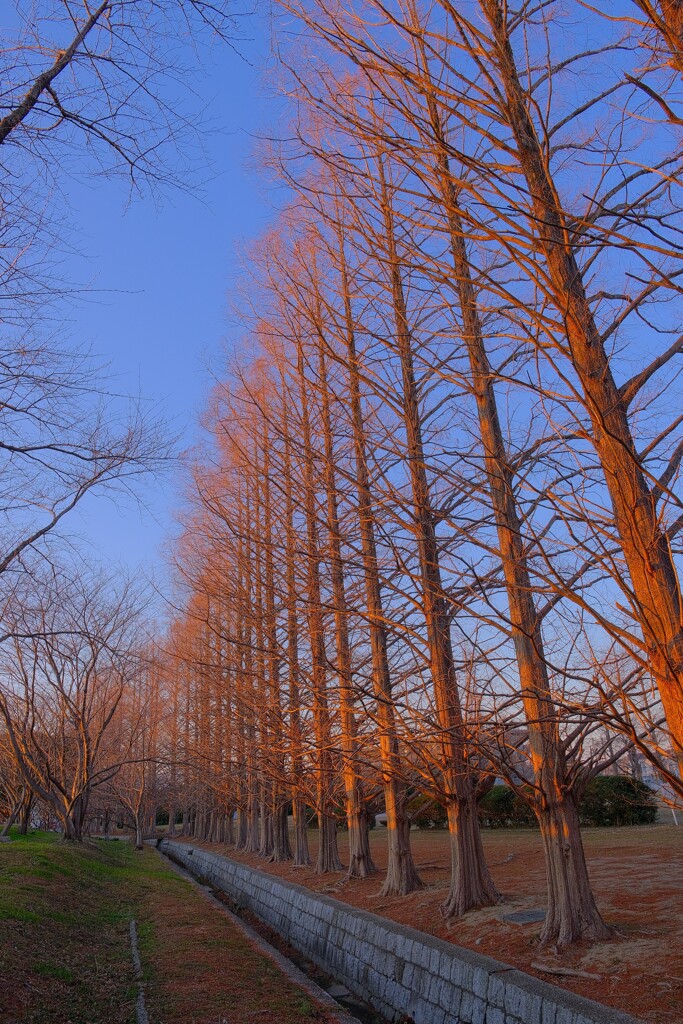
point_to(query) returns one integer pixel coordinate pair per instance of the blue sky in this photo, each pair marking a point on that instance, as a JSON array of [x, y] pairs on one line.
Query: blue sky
[[158, 277]]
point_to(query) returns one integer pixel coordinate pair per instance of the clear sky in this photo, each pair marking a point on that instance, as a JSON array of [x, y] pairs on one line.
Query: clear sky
[[159, 275]]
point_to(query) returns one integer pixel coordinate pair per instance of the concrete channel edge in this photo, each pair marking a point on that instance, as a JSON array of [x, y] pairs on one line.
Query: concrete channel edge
[[403, 973]]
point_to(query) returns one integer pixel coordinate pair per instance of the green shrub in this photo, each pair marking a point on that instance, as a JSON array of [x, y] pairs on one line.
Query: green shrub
[[617, 800], [425, 812], [608, 800], [503, 808]]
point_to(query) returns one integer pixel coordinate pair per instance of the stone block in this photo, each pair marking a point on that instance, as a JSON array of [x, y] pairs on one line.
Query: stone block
[[432, 1015], [451, 999], [480, 982], [421, 955], [436, 985], [456, 972], [495, 1015], [466, 1007], [478, 1010]]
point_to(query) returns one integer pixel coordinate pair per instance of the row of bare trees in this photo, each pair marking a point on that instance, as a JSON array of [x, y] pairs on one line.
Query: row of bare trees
[[436, 536], [85, 89]]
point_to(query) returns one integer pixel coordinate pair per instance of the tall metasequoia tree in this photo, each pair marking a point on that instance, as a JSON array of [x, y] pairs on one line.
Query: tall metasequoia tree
[[302, 292], [646, 546], [281, 849], [302, 856], [471, 884], [328, 855], [402, 876], [360, 858], [572, 912]]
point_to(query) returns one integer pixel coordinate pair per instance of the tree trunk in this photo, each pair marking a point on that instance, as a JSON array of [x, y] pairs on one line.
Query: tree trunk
[[572, 913], [242, 829], [266, 831], [361, 863], [282, 850], [27, 807], [645, 545], [328, 852], [402, 876], [302, 857], [360, 859], [12, 817], [328, 856], [471, 885], [458, 777]]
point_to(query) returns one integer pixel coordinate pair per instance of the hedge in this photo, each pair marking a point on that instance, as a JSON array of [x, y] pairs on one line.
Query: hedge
[[609, 800]]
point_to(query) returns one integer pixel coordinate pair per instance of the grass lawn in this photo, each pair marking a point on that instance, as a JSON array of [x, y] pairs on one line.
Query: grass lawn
[[65, 958]]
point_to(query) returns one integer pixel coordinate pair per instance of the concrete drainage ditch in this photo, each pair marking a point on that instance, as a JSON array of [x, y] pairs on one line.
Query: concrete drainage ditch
[[403, 974]]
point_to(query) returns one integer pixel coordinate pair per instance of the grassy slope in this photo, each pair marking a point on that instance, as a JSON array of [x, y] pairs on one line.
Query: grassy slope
[[65, 911]]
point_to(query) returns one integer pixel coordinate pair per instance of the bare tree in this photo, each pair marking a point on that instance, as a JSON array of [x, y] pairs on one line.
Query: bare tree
[[69, 659]]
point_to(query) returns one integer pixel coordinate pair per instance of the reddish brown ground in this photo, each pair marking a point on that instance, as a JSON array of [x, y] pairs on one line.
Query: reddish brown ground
[[637, 875]]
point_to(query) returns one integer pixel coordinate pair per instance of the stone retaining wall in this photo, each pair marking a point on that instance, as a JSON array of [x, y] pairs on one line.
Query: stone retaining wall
[[398, 970]]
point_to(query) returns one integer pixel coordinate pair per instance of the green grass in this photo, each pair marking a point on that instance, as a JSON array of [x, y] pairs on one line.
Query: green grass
[[64, 953], [65, 911], [50, 970]]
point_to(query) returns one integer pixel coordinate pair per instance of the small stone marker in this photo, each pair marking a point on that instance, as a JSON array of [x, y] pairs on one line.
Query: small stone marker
[[525, 916]]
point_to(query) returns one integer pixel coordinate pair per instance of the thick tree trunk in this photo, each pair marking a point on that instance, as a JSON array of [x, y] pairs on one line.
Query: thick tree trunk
[[266, 831], [252, 839], [242, 829], [328, 853], [282, 850], [572, 913], [361, 864], [471, 885], [302, 856], [402, 876], [26, 808], [70, 830]]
